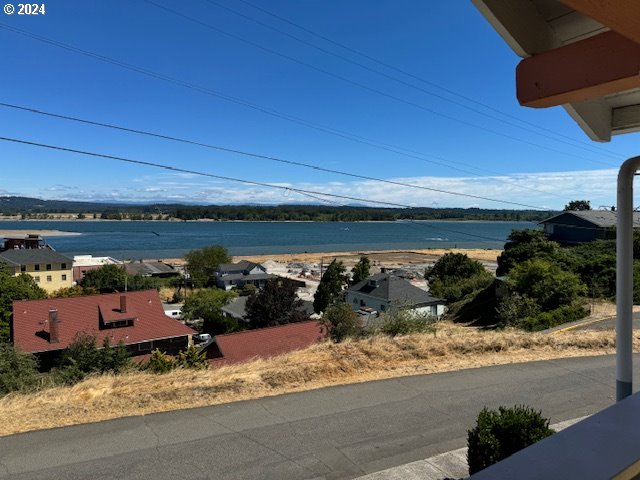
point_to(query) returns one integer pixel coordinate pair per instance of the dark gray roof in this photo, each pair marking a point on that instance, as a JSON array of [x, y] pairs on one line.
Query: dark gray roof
[[234, 267], [237, 308], [242, 276], [394, 289], [149, 268], [599, 218], [34, 255]]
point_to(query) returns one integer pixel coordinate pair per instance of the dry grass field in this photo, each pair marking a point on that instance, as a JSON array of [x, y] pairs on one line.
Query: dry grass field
[[452, 347]]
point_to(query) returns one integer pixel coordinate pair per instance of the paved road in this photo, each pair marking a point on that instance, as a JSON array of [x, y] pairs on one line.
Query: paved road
[[609, 324], [332, 433]]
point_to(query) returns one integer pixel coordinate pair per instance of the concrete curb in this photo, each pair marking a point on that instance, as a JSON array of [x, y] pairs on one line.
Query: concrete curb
[[451, 464]]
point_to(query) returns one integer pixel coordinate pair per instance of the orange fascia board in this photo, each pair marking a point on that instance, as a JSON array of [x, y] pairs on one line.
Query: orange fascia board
[[622, 16], [597, 66]]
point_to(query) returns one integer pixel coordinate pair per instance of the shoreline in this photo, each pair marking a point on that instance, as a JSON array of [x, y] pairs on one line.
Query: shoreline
[[396, 256]]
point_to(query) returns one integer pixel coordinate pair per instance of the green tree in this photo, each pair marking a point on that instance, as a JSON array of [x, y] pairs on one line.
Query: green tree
[[454, 265], [514, 310], [107, 278], [341, 322], [523, 245], [159, 363], [455, 276], [18, 370], [207, 304], [75, 291], [203, 262], [578, 205], [331, 285], [546, 283], [276, 304], [360, 270], [22, 287], [192, 358]]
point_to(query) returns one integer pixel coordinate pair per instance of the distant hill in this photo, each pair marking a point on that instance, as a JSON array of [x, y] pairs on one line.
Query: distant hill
[[37, 208]]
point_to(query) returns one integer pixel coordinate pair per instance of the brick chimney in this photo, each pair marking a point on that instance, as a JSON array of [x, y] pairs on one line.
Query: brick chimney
[[123, 304], [54, 333]]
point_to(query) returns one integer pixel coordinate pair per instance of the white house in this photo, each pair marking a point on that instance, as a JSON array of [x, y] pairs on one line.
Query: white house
[[230, 275], [383, 291]]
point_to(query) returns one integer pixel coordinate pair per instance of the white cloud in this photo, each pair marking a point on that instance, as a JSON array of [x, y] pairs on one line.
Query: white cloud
[[551, 190]]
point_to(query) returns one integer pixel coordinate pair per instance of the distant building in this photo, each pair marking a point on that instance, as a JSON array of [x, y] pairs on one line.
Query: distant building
[[383, 291], [85, 263], [46, 327], [50, 269], [151, 269], [581, 226], [230, 275], [30, 241]]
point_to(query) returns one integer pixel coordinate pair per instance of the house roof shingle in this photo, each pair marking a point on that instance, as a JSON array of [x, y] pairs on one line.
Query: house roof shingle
[[394, 289], [599, 218], [268, 342], [149, 268], [82, 314], [34, 255], [234, 267]]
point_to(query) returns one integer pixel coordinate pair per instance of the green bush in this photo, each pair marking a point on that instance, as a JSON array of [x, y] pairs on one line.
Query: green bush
[[159, 363], [456, 288], [341, 322], [500, 433], [553, 318], [83, 357], [193, 358], [18, 370], [403, 321]]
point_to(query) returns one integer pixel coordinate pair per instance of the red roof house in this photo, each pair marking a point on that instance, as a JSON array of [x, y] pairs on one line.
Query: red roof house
[[135, 318], [264, 342]]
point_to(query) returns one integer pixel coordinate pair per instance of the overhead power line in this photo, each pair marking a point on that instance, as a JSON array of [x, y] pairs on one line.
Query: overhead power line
[[414, 76], [240, 180], [368, 88], [253, 155], [353, 137], [566, 140]]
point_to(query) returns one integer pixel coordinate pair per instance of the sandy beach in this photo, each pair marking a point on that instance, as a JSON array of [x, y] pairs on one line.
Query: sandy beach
[[42, 233]]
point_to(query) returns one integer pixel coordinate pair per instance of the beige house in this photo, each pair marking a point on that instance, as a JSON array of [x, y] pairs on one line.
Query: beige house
[[51, 270]]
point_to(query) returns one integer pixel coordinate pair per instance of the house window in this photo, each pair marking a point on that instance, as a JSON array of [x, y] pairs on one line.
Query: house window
[[144, 346], [355, 300], [48, 266], [64, 278], [382, 308], [63, 266], [23, 268], [362, 304], [37, 279], [48, 278], [36, 267]]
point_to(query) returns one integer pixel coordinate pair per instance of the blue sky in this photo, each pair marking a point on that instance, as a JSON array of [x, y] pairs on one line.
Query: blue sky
[[442, 41]]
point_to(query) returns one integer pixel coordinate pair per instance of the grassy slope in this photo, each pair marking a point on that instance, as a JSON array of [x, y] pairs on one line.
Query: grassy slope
[[452, 348]]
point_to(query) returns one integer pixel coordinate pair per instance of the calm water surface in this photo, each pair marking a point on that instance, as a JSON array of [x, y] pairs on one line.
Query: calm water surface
[[159, 239]]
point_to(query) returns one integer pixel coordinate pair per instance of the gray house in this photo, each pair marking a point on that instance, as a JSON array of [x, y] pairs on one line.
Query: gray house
[[230, 275], [583, 226], [383, 291]]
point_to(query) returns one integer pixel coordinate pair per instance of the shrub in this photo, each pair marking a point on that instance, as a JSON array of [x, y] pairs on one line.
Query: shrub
[[159, 363], [247, 290], [500, 433], [341, 322], [17, 370], [564, 314], [515, 309], [193, 358], [455, 289], [403, 321]]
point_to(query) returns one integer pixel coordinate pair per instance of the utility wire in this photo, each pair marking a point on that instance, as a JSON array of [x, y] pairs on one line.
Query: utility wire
[[239, 101], [266, 110], [245, 153], [239, 180], [368, 88], [572, 142], [415, 77]]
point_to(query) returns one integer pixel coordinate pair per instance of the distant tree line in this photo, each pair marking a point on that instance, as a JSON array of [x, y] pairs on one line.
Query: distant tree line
[[36, 208]]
